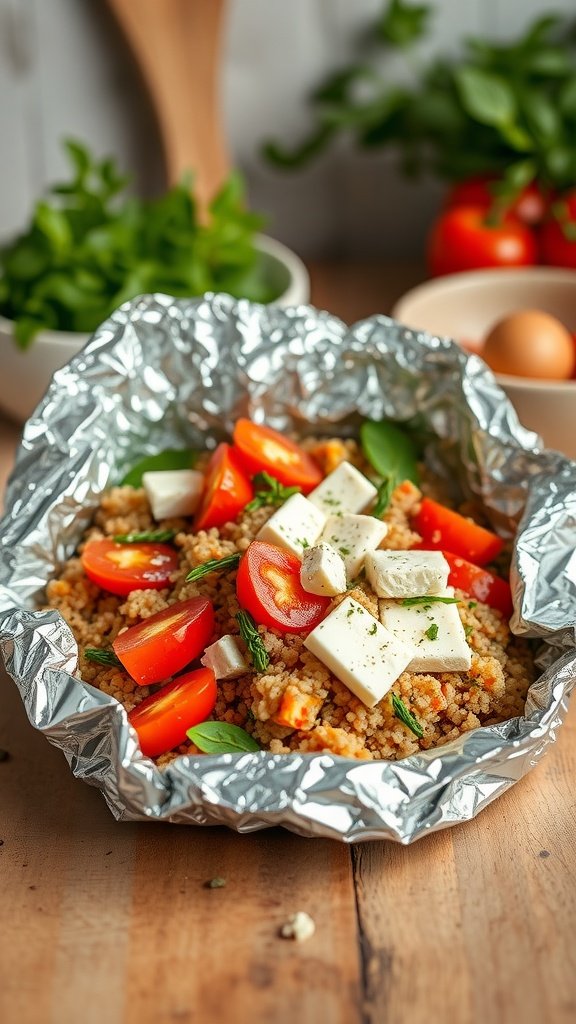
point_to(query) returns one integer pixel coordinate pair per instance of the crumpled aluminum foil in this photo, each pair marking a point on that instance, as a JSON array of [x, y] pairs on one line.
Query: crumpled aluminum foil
[[166, 373]]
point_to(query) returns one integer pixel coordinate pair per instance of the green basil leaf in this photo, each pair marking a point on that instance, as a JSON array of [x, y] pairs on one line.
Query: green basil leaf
[[486, 97], [402, 23], [172, 458], [567, 98], [390, 451], [221, 738], [542, 116]]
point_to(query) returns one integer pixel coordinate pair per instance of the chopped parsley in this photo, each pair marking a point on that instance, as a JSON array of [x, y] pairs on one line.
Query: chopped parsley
[[214, 565], [373, 629], [251, 637], [406, 717], [145, 537], [269, 491], [344, 551], [432, 631], [468, 630], [472, 604]]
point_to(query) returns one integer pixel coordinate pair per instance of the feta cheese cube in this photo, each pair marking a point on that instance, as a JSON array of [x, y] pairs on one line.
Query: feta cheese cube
[[225, 658], [296, 525], [435, 632], [353, 537], [346, 489], [173, 492], [361, 652], [406, 573], [323, 571]]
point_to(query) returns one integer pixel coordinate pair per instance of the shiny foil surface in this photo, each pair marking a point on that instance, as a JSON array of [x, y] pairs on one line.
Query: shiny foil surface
[[170, 373]]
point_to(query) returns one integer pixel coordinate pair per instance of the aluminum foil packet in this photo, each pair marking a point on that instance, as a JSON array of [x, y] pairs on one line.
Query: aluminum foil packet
[[170, 373]]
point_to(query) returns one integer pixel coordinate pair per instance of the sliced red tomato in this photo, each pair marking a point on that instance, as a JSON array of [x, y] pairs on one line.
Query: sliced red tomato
[[163, 718], [268, 586], [262, 448], [479, 583], [166, 642], [227, 490], [121, 568], [441, 528]]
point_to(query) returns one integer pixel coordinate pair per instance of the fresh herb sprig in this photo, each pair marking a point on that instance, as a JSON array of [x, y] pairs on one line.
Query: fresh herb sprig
[[406, 717], [506, 109], [392, 453], [214, 565], [269, 491], [102, 656], [90, 247], [429, 599], [145, 537], [221, 738], [251, 637]]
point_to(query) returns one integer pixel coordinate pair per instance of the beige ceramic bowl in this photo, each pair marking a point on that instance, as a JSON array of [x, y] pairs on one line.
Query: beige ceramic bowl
[[24, 376], [465, 307]]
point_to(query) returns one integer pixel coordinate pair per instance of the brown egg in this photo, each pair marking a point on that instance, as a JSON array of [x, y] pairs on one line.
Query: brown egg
[[530, 344]]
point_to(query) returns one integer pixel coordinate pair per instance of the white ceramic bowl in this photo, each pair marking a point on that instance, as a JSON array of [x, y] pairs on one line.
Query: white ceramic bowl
[[24, 376], [465, 306]]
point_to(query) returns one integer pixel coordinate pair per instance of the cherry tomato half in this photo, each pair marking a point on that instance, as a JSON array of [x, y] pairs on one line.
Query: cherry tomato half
[[262, 448], [227, 490], [529, 206], [441, 528], [166, 642], [268, 586], [461, 239], [121, 568], [163, 718]]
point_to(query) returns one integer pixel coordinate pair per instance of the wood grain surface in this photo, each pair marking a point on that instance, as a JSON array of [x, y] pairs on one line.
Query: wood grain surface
[[109, 923]]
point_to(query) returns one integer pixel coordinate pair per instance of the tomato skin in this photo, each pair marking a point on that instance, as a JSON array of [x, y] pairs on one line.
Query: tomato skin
[[481, 584], [165, 643], [556, 249], [227, 490], [163, 718], [261, 448], [442, 528], [529, 206], [268, 586], [121, 568], [461, 240]]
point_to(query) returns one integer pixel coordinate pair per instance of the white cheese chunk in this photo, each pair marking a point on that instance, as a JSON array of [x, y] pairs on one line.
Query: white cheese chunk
[[296, 525], [353, 537], [361, 652], [346, 489], [323, 571], [435, 631], [406, 573], [173, 492], [225, 658]]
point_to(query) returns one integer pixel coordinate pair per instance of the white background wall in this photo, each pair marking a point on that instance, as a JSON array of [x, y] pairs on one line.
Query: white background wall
[[64, 70]]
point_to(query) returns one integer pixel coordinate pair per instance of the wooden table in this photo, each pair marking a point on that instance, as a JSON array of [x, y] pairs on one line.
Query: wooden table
[[112, 924]]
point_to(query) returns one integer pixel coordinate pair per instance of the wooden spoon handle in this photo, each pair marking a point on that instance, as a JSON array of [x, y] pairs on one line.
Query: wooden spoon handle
[[177, 46]]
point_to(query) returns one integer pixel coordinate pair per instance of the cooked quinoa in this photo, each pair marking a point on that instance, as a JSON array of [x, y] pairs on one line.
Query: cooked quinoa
[[445, 704]]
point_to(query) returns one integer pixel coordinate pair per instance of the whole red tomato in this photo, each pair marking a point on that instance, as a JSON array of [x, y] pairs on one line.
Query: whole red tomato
[[461, 239], [556, 248], [530, 205]]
